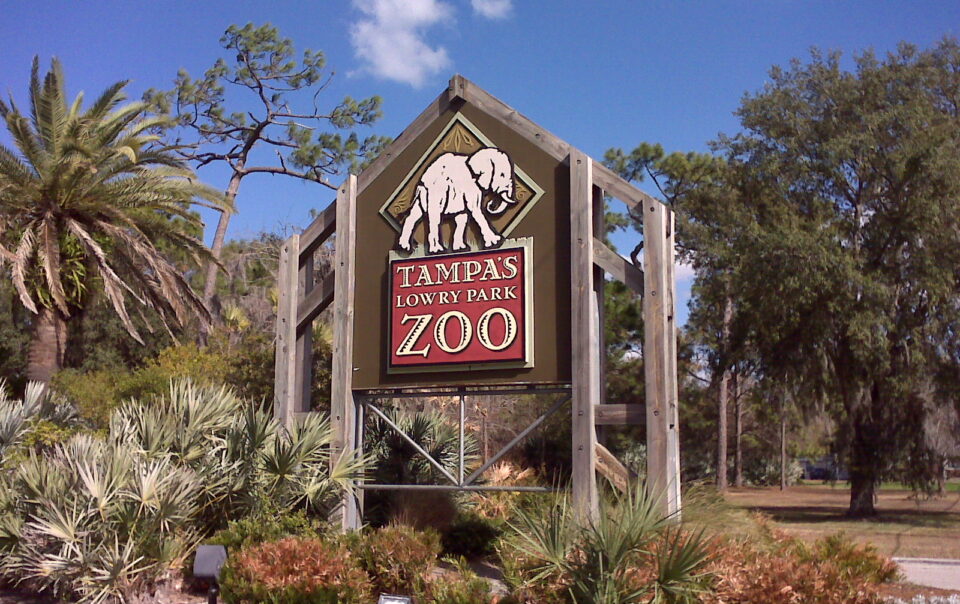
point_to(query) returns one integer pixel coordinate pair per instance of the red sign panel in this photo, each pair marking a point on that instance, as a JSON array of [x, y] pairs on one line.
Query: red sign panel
[[460, 309]]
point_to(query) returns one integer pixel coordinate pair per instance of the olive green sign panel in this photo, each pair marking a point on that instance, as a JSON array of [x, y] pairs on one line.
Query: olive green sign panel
[[537, 205]]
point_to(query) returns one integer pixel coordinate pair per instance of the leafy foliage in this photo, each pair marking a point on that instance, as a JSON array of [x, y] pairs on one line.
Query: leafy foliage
[[88, 200], [102, 519], [398, 557]]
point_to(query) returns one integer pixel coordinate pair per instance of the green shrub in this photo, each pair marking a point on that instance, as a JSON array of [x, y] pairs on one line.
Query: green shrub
[[295, 570], [261, 527], [462, 587], [471, 535], [397, 558]]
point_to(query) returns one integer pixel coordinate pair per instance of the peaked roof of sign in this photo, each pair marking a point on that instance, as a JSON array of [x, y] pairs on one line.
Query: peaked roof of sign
[[462, 88]]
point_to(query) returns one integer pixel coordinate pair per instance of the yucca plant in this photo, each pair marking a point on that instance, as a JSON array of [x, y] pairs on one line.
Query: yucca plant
[[630, 553], [101, 519]]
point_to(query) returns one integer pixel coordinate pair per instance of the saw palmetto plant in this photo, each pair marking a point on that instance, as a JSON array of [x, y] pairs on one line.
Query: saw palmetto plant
[[103, 519], [630, 553], [88, 200]]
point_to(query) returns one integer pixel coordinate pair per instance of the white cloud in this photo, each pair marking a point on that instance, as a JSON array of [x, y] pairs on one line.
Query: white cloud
[[492, 9], [389, 40]]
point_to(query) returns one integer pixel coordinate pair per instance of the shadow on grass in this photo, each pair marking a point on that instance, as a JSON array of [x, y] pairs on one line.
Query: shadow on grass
[[822, 514]]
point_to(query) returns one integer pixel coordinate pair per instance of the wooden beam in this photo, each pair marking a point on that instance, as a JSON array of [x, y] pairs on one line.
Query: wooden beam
[[285, 366], [618, 474], [617, 187], [659, 370], [551, 144], [619, 267], [343, 412], [585, 337], [399, 144], [303, 378], [319, 298], [483, 100], [618, 414], [319, 231]]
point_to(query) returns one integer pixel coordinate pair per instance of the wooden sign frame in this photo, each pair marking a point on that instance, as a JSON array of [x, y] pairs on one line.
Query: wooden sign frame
[[301, 300]]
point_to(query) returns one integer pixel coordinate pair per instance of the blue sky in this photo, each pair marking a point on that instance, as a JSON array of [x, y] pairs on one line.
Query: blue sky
[[598, 74]]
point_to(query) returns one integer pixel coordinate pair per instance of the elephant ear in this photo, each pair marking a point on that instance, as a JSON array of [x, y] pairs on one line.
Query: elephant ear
[[482, 166]]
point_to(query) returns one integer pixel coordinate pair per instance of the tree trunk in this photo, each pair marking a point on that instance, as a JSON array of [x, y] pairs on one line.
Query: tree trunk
[[216, 248], [865, 453], [738, 432], [722, 399], [863, 490], [783, 446], [47, 347]]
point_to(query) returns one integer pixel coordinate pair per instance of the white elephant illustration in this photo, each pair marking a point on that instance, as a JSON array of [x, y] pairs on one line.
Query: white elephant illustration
[[454, 185]]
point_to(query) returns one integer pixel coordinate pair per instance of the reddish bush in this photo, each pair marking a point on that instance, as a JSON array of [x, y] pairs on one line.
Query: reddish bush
[[295, 570], [781, 568]]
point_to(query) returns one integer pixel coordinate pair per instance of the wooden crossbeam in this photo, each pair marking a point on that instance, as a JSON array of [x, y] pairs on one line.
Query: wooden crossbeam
[[622, 269], [618, 414], [315, 302], [319, 231], [608, 465], [617, 187]]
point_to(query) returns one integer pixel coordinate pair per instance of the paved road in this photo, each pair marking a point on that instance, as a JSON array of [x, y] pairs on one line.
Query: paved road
[[931, 572]]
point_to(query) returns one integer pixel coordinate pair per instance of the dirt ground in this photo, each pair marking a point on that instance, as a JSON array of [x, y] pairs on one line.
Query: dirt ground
[[907, 526]]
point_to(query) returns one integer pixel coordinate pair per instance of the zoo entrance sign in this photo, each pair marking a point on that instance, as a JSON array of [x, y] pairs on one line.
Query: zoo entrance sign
[[461, 222]]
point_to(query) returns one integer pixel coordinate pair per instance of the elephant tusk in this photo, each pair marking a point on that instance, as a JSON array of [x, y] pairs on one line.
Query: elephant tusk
[[502, 205]]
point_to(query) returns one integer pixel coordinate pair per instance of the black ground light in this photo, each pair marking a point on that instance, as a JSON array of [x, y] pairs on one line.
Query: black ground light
[[207, 565]]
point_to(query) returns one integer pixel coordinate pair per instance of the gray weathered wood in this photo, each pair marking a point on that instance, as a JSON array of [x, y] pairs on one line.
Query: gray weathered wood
[[617, 187], [660, 372], [618, 474], [618, 414], [319, 298], [585, 337], [343, 411], [319, 231], [304, 360], [546, 141], [673, 395], [599, 289], [399, 144], [285, 367], [619, 267]]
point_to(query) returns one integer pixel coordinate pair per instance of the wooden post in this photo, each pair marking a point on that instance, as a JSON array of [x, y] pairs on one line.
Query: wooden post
[[659, 357], [599, 285], [304, 370], [285, 368], [585, 337], [343, 411]]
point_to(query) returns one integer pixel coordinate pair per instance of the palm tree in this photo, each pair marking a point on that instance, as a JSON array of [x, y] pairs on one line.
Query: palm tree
[[86, 200]]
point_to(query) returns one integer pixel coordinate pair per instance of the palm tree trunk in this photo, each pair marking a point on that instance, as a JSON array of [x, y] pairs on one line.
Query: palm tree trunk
[[49, 342]]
